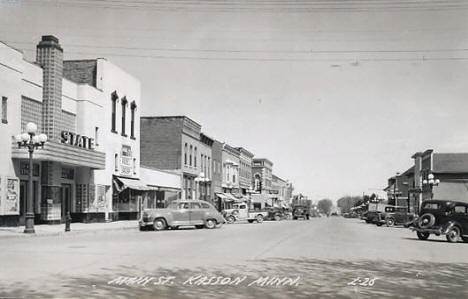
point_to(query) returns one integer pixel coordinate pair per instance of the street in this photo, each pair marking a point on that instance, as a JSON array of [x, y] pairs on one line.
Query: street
[[323, 257]]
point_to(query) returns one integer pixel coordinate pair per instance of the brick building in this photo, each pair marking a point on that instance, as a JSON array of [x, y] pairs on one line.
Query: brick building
[[176, 143], [245, 170], [449, 173], [89, 109]]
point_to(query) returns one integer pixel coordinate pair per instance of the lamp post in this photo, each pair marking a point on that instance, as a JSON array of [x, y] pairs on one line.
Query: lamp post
[[430, 181], [31, 141]]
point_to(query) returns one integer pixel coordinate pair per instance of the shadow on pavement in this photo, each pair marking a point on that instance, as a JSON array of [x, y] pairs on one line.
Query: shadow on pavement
[[317, 279]]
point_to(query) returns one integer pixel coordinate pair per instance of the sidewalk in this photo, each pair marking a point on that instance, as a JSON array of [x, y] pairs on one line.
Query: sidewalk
[[75, 228]]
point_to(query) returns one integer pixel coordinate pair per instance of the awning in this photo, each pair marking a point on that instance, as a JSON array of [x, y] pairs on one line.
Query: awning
[[222, 196], [134, 184]]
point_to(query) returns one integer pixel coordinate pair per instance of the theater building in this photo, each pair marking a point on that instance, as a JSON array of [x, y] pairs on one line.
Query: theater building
[[89, 109]]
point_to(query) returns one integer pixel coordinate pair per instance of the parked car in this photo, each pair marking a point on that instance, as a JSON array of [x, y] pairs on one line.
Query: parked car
[[276, 214], [395, 215], [241, 211], [182, 213], [300, 211], [440, 217]]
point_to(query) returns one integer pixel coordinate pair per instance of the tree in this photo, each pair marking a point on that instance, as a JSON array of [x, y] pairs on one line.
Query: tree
[[325, 205]]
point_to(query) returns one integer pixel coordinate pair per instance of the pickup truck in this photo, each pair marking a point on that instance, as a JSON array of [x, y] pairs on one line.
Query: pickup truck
[[241, 211]]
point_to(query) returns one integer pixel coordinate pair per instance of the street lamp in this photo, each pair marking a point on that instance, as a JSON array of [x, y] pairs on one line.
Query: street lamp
[[430, 181], [31, 141]]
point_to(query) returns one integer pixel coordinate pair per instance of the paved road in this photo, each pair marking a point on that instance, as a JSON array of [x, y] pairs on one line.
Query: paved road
[[319, 258]]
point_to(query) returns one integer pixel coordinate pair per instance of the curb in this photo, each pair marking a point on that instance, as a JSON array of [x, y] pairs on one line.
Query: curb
[[63, 233]]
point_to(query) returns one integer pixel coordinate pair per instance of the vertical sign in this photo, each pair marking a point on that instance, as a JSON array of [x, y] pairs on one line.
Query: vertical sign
[[126, 160], [11, 203]]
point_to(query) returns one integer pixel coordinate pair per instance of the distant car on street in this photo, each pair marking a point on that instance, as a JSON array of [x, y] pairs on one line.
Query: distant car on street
[[276, 214], [196, 213], [241, 211], [442, 217], [395, 215]]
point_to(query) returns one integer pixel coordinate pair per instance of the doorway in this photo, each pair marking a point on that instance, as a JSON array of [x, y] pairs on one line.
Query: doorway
[[66, 200]]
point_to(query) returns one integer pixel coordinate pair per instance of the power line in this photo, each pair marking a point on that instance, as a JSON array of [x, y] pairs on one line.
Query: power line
[[260, 51], [203, 6], [352, 60]]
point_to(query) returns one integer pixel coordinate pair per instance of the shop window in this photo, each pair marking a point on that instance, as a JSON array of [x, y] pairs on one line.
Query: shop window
[[24, 169], [124, 109], [114, 99], [68, 173], [116, 162], [132, 120], [4, 110]]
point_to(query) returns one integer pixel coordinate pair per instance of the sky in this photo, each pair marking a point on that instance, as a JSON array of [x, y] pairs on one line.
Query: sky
[[338, 94]]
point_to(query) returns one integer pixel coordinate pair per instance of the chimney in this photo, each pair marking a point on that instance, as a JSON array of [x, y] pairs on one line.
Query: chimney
[[49, 55]]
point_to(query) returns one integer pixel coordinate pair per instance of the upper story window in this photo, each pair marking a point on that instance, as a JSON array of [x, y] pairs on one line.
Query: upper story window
[[134, 166], [185, 154], [209, 167], [132, 120], [195, 158], [96, 136], [4, 110], [116, 162], [190, 157], [114, 99], [124, 109]]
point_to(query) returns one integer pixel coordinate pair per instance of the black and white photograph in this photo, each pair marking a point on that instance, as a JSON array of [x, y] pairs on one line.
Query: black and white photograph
[[233, 149]]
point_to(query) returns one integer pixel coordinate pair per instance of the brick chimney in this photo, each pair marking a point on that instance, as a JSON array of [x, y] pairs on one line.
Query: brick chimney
[[49, 55]]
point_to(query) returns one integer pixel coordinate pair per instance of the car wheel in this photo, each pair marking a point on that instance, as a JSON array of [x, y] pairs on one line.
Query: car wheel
[[143, 228], [259, 218], [422, 235], [294, 218], [390, 222], [379, 224], [159, 224], [277, 217], [210, 224], [230, 219], [453, 235], [250, 221]]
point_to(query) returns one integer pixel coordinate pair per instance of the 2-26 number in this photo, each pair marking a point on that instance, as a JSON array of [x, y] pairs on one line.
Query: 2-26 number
[[365, 282]]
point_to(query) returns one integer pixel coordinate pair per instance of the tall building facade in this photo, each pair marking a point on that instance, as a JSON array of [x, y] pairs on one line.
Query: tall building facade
[[245, 170], [176, 143], [262, 175], [230, 162], [89, 109]]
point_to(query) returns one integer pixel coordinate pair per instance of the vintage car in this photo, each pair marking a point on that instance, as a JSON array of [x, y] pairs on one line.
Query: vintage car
[[241, 211], [395, 215], [196, 213], [441, 217], [300, 211], [276, 214]]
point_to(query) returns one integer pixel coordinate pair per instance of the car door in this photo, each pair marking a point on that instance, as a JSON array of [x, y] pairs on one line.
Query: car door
[[460, 216], [243, 211], [197, 213], [181, 215]]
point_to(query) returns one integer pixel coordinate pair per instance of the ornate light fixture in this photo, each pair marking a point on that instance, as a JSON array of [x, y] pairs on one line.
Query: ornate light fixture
[[31, 141]]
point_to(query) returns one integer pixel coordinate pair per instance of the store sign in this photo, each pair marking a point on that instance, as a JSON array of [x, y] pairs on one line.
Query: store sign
[[77, 140], [126, 160]]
